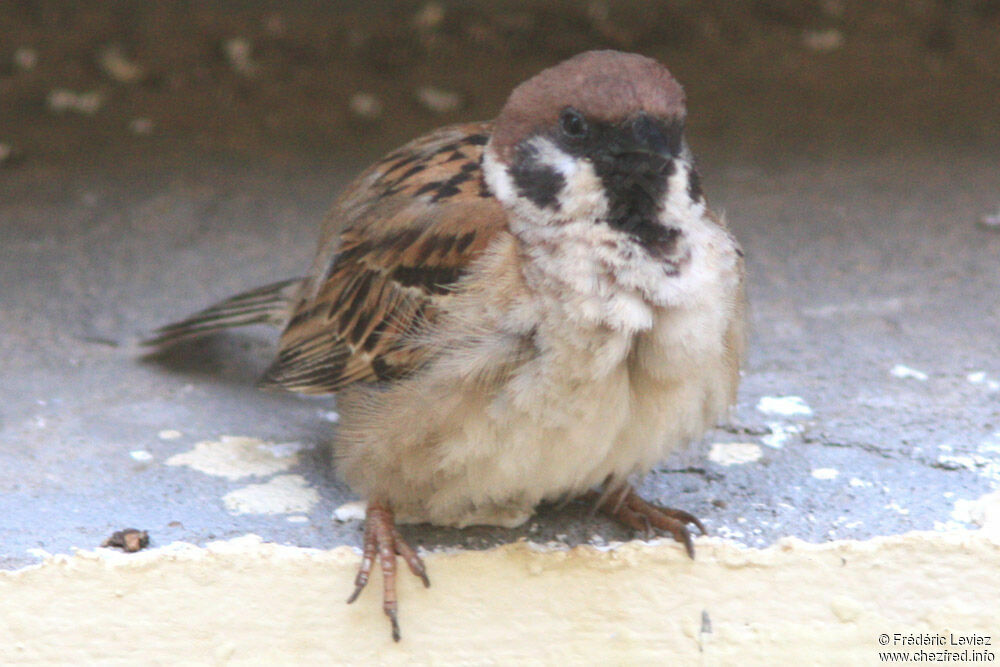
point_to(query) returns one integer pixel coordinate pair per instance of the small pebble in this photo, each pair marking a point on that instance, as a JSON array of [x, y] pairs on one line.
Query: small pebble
[[8, 155], [439, 100], [429, 17], [117, 65], [365, 106], [129, 540], [239, 53], [61, 100], [25, 59], [140, 126], [274, 24], [823, 41]]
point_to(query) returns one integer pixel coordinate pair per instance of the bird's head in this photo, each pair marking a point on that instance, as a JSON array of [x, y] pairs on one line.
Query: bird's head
[[597, 138]]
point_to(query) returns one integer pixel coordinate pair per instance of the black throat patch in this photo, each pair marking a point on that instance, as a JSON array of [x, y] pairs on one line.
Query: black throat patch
[[635, 185]]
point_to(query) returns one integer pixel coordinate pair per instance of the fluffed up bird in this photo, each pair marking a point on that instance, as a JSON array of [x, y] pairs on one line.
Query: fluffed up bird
[[529, 309]]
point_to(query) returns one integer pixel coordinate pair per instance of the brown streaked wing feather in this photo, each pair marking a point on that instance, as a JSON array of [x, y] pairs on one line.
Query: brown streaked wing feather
[[394, 247]]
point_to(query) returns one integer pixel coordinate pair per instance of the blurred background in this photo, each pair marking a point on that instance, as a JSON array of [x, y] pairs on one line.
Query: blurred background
[[157, 156]]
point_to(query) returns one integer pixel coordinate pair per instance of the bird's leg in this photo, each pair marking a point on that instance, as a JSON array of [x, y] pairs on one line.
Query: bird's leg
[[383, 539], [625, 505]]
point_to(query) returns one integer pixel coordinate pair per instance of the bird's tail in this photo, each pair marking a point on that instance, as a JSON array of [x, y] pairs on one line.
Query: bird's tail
[[270, 304]]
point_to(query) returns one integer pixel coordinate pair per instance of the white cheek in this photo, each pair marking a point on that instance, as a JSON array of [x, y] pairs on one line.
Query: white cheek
[[583, 196], [678, 204], [497, 178]]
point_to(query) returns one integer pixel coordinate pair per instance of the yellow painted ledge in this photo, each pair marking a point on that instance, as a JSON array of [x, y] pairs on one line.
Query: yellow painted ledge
[[243, 602]]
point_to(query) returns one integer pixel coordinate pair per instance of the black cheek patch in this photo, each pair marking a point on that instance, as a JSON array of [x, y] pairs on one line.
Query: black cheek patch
[[536, 182], [694, 185]]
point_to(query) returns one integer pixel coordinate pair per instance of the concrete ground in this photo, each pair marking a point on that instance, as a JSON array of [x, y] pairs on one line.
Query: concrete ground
[[854, 148]]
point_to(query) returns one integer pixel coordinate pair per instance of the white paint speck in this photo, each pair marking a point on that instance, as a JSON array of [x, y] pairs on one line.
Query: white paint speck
[[330, 416], [965, 511], [825, 473], [284, 449], [897, 508], [980, 377], [784, 406], [169, 434], [859, 483], [905, 372], [141, 455], [780, 434], [352, 511], [984, 512], [297, 518], [990, 220], [734, 453], [284, 494], [991, 446], [236, 457]]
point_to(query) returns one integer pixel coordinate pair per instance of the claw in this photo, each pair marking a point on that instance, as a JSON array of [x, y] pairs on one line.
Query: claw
[[383, 539], [640, 515], [391, 613]]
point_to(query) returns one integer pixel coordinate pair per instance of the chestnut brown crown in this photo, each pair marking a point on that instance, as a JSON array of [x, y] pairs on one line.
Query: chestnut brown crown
[[606, 86]]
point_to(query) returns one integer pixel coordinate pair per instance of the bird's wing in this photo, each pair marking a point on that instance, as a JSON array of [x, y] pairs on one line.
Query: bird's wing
[[394, 246]]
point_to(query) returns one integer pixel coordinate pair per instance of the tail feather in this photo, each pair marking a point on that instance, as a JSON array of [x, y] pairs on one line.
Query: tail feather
[[270, 304]]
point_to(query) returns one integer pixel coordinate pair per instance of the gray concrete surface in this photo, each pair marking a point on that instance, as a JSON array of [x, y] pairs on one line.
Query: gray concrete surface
[[854, 177]]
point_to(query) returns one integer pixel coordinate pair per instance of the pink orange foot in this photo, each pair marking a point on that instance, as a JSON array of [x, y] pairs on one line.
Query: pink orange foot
[[382, 538], [626, 506]]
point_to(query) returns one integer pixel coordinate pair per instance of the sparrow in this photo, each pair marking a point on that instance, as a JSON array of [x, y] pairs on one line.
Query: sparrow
[[531, 309]]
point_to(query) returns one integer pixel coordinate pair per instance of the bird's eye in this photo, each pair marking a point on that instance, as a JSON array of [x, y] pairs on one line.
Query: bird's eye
[[572, 123]]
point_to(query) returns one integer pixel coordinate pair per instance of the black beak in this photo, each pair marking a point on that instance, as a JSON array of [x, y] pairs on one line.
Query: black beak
[[645, 134]]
